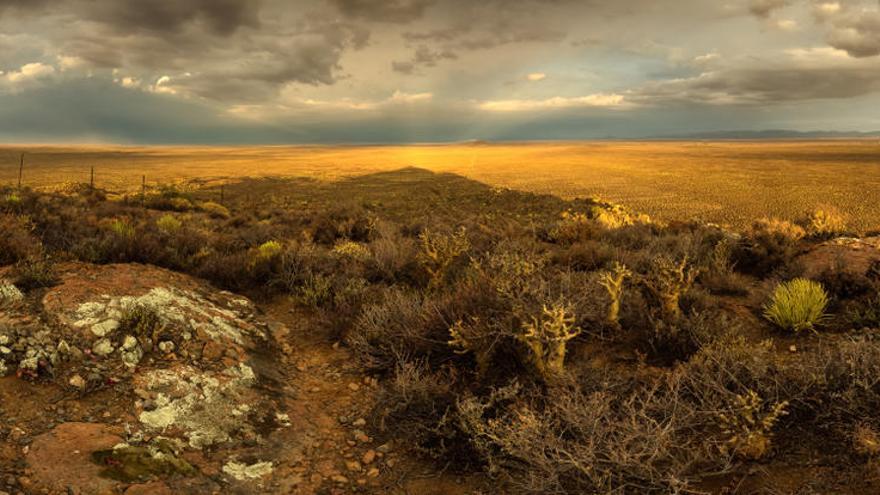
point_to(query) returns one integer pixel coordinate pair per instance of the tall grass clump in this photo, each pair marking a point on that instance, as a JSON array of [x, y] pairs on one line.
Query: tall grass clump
[[797, 305]]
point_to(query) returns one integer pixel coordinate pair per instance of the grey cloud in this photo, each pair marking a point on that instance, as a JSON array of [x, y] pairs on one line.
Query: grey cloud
[[763, 8], [858, 33], [222, 17], [423, 57], [759, 85], [398, 11], [201, 46]]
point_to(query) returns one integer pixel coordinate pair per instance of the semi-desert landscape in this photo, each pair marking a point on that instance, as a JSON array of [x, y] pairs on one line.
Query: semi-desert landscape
[[439, 247], [725, 182]]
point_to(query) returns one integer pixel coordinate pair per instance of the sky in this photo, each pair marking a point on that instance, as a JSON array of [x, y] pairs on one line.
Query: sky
[[383, 71]]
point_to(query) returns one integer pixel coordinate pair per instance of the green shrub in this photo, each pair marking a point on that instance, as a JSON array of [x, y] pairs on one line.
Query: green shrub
[[168, 224], [797, 305]]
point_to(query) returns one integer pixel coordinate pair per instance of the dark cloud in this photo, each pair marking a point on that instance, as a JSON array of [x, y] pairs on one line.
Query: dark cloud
[[763, 8], [858, 33], [398, 11], [759, 85], [221, 17], [423, 57]]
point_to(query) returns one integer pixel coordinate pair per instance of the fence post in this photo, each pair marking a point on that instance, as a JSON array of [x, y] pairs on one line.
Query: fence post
[[92, 179], [143, 189], [20, 169]]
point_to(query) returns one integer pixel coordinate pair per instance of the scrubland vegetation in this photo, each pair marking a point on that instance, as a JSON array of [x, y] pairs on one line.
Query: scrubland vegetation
[[559, 346]]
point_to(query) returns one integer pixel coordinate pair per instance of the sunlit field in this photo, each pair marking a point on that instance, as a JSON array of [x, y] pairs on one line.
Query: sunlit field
[[729, 183]]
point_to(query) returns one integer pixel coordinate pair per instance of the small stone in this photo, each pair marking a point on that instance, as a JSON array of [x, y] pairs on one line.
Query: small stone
[[336, 345], [340, 479], [384, 448], [315, 389], [359, 422], [369, 457], [792, 348], [354, 387], [77, 381], [102, 347], [353, 466], [166, 346], [373, 473], [361, 436]]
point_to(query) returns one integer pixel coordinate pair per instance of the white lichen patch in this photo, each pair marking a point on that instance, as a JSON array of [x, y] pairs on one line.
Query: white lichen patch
[[175, 307], [244, 472], [208, 407], [9, 293]]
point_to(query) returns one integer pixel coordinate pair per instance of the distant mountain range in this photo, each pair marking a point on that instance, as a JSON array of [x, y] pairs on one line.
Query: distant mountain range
[[771, 134]]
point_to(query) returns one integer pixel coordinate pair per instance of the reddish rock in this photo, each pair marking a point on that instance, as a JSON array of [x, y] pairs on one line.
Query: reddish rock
[[60, 460], [154, 488], [855, 256]]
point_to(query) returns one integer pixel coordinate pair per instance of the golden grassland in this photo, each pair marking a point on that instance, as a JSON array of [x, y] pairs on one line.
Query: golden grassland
[[730, 183]]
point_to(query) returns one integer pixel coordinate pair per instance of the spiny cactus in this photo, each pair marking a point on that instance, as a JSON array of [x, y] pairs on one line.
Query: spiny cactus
[[749, 425], [439, 251], [670, 280], [613, 281], [545, 338]]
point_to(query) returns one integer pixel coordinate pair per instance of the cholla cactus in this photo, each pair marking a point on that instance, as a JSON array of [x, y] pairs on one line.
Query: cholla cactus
[[545, 338], [749, 425], [464, 340], [669, 281], [439, 252], [613, 282]]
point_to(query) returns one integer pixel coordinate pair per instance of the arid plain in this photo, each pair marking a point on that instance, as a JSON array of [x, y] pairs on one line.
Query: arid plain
[[727, 182]]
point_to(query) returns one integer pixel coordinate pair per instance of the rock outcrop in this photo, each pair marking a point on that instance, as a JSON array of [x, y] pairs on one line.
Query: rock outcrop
[[175, 355]]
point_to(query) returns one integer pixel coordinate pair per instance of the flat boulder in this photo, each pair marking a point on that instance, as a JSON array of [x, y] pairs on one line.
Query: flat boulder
[[857, 256], [60, 461]]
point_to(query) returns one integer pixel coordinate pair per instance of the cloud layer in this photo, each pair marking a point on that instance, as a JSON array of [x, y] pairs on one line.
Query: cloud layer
[[448, 69]]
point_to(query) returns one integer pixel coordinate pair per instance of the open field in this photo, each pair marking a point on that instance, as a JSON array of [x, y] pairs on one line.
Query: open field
[[724, 182], [416, 332]]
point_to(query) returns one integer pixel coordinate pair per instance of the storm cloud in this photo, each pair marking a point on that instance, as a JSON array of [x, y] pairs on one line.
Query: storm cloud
[[365, 70]]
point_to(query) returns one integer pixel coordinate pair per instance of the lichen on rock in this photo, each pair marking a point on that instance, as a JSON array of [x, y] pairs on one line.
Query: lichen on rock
[[208, 407], [245, 472]]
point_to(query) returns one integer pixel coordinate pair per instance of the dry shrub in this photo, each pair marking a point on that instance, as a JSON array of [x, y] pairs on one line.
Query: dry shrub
[[748, 423], [214, 210], [34, 272], [825, 223], [612, 441], [769, 245], [346, 222], [17, 240], [719, 277], [574, 227], [585, 256], [404, 325]]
